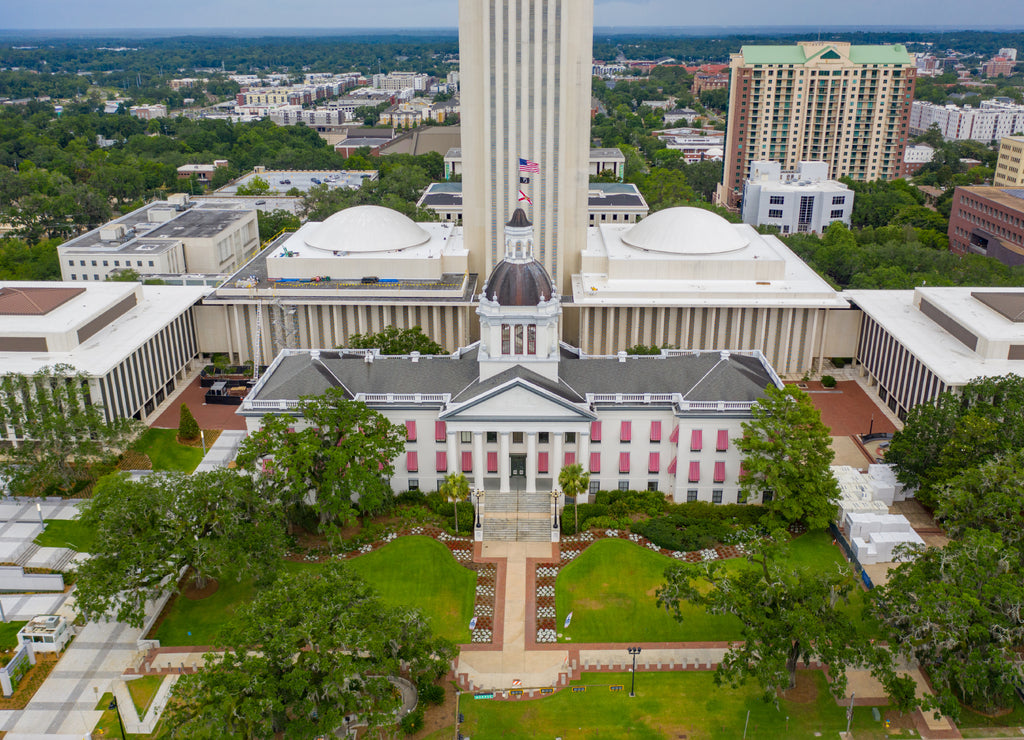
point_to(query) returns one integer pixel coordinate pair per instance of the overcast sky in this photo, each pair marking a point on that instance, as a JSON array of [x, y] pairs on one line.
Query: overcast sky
[[342, 14]]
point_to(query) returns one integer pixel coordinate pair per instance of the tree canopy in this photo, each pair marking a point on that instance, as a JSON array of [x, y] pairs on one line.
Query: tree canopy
[[311, 649], [336, 464], [957, 432], [956, 610], [788, 614], [61, 430], [394, 341], [786, 451], [150, 529]]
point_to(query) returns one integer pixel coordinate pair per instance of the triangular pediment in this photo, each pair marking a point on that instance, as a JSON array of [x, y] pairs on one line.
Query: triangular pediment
[[516, 400]]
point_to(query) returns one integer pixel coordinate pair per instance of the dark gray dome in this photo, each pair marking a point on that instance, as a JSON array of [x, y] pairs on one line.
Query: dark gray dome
[[519, 219], [519, 284]]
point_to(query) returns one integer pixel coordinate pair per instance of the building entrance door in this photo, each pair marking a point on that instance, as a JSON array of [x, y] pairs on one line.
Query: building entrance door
[[517, 466]]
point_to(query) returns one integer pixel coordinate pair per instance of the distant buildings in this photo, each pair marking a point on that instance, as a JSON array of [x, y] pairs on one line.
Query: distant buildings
[[599, 160], [148, 112], [992, 120], [164, 237], [826, 101], [915, 157], [1010, 166], [796, 202], [988, 221], [998, 65], [695, 144], [708, 81], [401, 81], [202, 172]]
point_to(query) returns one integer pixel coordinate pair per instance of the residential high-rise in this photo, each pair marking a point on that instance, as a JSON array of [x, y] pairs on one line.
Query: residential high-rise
[[818, 100], [525, 79], [1010, 167]]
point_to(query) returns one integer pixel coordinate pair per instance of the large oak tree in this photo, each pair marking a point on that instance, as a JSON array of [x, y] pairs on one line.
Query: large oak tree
[[310, 650]]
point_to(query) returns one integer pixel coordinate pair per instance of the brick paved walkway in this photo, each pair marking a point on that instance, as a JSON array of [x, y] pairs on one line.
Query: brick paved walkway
[[208, 416]]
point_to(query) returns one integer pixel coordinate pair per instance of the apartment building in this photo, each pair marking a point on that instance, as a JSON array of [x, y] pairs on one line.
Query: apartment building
[[989, 221], [992, 120], [796, 202], [1010, 167], [830, 101]]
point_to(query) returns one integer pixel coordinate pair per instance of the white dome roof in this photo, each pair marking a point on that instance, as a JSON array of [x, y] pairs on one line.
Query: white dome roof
[[685, 230], [367, 229]]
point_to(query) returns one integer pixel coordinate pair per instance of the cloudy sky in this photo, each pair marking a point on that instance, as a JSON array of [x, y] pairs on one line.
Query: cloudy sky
[[342, 14]]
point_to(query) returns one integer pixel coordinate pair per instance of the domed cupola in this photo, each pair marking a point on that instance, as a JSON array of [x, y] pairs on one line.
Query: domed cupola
[[519, 279], [519, 308]]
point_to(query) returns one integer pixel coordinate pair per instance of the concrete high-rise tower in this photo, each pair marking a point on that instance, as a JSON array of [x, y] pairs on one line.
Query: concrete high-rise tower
[[525, 69]]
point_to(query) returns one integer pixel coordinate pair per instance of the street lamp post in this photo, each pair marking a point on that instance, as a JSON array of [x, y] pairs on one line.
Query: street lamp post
[[119, 722], [634, 651], [39, 511], [478, 495], [554, 504], [202, 436]]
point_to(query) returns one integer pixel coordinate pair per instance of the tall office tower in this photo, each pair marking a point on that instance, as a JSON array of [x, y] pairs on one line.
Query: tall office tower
[[846, 105], [525, 69]]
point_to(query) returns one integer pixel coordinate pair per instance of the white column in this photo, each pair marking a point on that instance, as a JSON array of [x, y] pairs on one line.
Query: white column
[[531, 461], [454, 463], [503, 462], [682, 466], [555, 464], [478, 459]]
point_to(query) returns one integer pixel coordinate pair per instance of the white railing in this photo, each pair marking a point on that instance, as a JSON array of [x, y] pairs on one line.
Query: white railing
[[632, 397], [258, 405], [403, 397]]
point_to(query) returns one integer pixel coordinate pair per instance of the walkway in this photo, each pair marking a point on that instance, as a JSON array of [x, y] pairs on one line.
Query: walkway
[[65, 703]]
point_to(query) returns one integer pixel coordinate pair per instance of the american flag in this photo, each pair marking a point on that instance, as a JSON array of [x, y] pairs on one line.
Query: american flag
[[526, 165]]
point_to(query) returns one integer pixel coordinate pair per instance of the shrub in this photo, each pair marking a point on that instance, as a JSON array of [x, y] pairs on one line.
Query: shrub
[[413, 722], [187, 426], [839, 362], [828, 381], [431, 693]]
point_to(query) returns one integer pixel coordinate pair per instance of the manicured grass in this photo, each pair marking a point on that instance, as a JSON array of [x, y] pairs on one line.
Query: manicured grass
[[411, 571], [1014, 718], [204, 618], [142, 691], [421, 572], [666, 705], [166, 453], [9, 634], [610, 590], [67, 533]]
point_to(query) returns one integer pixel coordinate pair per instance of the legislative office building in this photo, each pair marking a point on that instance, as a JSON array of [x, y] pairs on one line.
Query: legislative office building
[[510, 410]]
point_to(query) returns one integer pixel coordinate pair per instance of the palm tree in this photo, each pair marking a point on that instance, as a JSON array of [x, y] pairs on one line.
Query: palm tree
[[456, 487], [574, 481]]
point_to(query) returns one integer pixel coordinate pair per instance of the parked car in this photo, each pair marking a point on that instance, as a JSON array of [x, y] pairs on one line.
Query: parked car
[[261, 202], [284, 182], [315, 180]]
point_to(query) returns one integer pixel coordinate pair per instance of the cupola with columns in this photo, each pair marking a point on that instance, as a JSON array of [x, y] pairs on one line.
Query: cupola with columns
[[519, 309]]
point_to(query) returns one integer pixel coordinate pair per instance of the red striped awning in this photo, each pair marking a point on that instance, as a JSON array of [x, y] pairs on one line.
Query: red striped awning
[[675, 435], [410, 431], [570, 458], [694, 472], [467, 462], [626, 431], [655, 431], [542, 462], [696, 440], [412, 462], [442, 462], [492, 462], [672, 466], [723, 440], [719, 472], [595, 462], [595, 431], [440, 430], [654, 463]]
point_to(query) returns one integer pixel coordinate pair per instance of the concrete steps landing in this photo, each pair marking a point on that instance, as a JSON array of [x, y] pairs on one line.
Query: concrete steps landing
[[511, 529]]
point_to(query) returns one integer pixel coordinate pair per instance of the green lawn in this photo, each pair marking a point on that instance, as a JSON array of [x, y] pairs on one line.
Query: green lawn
[[413, 571], [421, 572], [9, 634], [66, 533], [205, 618], [666, 705], [166, 453], [142, 691], [610, 590]]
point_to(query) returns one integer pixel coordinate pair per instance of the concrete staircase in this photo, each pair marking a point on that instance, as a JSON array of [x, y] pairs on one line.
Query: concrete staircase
[[517, 517]]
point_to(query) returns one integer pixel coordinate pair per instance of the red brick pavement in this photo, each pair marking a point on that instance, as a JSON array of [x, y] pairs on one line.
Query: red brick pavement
[[847, 409], [208, 416]]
